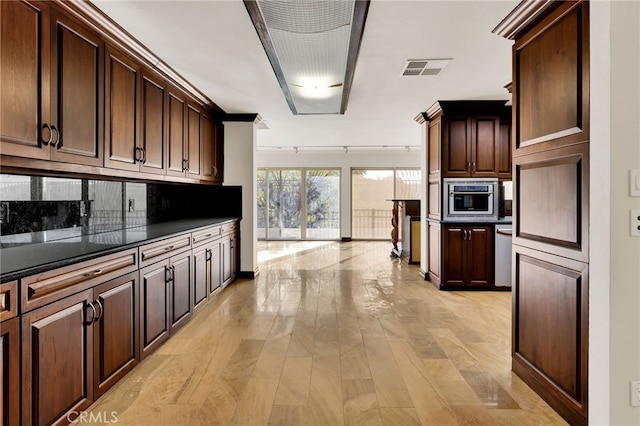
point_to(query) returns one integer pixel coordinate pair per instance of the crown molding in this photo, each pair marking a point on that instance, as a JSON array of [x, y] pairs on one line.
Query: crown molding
[[525, 13]]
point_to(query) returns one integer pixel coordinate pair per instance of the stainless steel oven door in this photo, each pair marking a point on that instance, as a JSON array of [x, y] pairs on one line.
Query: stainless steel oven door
[[470, 200]]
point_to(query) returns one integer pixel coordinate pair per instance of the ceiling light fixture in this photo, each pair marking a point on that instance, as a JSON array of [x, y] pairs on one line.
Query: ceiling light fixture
[[313, 47]]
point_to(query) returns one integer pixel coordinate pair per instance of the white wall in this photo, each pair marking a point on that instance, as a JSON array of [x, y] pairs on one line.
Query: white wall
[[343, 161], [240, 170], [614, 311]]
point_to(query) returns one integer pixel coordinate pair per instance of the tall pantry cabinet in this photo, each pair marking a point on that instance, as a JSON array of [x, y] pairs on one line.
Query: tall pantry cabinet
[[551, 201]]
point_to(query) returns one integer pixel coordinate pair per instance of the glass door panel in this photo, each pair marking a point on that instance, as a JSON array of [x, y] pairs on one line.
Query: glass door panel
[[322, 204], [285, 204]]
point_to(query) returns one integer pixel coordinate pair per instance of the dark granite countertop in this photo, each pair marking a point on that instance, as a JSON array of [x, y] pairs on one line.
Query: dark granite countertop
[[20, 260]]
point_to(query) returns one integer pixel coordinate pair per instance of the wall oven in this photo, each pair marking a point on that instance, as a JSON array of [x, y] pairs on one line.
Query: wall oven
[[471, 200]]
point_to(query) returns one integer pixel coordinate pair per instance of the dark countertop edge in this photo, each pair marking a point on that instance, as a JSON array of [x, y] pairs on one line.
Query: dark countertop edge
[[37, 269]]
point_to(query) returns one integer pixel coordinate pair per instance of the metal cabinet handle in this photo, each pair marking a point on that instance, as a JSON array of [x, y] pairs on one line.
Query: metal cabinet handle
[[215, 171], [187, 168], [95, 314], [144, 155], [173, 273], [167, 274], [168, 248], [57, 143], [101, 310], [137, 156], [48, 141]]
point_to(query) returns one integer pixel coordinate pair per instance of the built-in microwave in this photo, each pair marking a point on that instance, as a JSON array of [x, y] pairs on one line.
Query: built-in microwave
[[470, 199]]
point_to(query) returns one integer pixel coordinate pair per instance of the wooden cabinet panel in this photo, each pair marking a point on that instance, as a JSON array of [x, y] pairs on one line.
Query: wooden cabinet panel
[[551, 305], [201, 273], [435, 239], [154, 303], [121, 112], [480, 256], [467, 256], [211, 150], [216, 266], [457, 149], [177, 110], [226, 260], [485, 139], [25, 84], [56, 360], [116, 342], [76, 99], [552, 80], [434, 145], [9, 301], [10, 373], [551, 203], [153, 124], [193, 156], [180, 287], [504, 167], [454, 256]]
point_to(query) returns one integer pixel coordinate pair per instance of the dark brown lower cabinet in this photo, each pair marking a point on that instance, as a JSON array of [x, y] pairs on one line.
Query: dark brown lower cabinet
[[467, 256], [10, 375], [116, 348], [215, 264], [229, 258], [76, 348], [166, 299], [200, 276], [57, 361]]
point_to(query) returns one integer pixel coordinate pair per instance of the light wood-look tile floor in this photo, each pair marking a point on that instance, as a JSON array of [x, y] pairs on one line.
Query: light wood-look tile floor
[[337, 335]]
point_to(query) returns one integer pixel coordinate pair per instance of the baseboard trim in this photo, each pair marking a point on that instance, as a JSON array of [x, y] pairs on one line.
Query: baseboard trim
[[346, 239]]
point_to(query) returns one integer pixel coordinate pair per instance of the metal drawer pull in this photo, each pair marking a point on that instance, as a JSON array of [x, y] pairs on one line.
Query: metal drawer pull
[[169, 248], [92, 273]]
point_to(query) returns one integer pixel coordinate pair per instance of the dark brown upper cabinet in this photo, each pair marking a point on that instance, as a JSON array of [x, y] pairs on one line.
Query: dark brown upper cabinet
[[469, 139], [212, 164], [52, 79], [135, 116], [122, 112]]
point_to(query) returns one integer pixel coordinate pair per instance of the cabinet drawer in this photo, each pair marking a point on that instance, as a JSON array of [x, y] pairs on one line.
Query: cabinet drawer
[[229, 228], [155, 252], [202, 236], [40, 289], [8, 300]]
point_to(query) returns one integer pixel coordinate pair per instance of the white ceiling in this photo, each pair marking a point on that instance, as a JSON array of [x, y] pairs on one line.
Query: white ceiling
[[213, 44]]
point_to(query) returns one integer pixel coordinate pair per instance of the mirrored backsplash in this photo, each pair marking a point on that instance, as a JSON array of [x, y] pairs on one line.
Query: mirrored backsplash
[[34, 204]]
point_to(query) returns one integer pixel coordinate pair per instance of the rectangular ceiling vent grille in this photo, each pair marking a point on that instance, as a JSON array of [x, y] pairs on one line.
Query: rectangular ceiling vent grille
[[424, 66]]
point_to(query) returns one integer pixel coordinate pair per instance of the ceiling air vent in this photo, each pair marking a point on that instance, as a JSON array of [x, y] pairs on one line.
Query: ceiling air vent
[[424, 66]]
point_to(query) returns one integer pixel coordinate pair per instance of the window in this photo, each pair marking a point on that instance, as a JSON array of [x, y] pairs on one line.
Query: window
[[298, 204], [371, 192]]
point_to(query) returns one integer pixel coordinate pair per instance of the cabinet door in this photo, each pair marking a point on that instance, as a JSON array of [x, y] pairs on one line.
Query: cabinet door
[[226, 257], [212, 135], [10, 374], [25, 88], [56, 360], [153, 124], [216, 266], [478, 263], [485, 140], [181, 295], [454, 239], [121, 112], [115, 334], [201, 274], [504, 151], [76, 95], [176, 156], [235, 255], [154, 304], [193, 147], [456, 150]]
